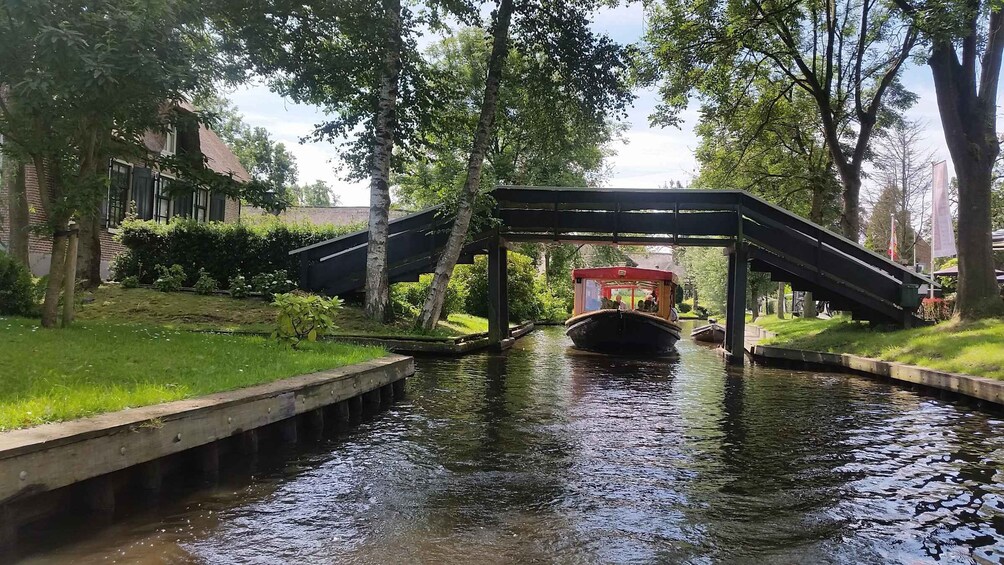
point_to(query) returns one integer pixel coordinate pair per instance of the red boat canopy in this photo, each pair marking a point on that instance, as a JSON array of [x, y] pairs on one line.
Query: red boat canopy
[[624, 273]]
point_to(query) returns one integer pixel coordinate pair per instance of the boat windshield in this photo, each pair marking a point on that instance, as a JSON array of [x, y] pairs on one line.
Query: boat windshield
[[625, 295]]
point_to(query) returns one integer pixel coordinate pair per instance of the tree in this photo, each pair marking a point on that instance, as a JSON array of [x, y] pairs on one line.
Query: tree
[[17, 218], [557, 32], [904, 173], [845, 56], [317, 193], [359, 61], [966, 47], [86, 79], [542, 134]]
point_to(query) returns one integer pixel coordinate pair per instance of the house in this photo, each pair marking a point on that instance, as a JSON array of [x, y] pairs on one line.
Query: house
[[136, 187]]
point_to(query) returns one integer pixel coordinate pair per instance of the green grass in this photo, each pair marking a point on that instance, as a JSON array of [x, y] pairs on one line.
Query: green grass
[[975, 348], [98, 366], [182, 310]]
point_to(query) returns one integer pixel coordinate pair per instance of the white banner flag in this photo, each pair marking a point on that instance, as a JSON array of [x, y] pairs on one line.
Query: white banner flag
[[942, 234]]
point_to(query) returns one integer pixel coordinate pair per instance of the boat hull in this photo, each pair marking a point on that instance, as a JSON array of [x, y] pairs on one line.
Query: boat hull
[[710, 333], [622, 332]]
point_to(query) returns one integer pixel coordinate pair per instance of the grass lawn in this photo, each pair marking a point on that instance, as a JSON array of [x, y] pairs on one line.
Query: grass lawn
[[184, 310], [975, 348], [99, 366]]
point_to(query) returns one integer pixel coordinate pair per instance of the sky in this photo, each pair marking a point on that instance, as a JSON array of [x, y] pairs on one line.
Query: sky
[[649, 156]]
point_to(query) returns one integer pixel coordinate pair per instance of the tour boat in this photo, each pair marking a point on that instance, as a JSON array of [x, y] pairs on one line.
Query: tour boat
[[624, 310], [713, 332]]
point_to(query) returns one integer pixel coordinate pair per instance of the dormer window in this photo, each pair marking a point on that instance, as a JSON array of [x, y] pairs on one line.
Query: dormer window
[[171, 142]]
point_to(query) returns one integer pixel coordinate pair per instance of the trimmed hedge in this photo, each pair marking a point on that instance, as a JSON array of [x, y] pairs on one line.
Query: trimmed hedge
[[17, 291], [524, 302], [223, 250]]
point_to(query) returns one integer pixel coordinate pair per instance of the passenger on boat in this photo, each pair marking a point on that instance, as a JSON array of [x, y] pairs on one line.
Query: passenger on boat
[[673, 316], [619, 304]]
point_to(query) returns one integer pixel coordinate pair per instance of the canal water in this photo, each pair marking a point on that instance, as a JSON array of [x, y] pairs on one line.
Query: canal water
[[544, 455]]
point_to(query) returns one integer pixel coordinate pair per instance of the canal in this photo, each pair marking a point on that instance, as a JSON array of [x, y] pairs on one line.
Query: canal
[[545, 455]]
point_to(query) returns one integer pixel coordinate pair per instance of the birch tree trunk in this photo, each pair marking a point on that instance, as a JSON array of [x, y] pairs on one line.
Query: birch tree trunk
[[433, 306], [780, 300], [385, 124], [17, 210], [89, 250]]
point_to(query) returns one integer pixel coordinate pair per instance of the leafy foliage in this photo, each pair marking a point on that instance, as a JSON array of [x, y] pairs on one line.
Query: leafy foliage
[[170, 279], [271, 284], [206, 284], [524, 301], [239, 287], [316, 194], [543, 135], [130, 282], [223, 250], [17, 293], [410, 296], [303, 317]]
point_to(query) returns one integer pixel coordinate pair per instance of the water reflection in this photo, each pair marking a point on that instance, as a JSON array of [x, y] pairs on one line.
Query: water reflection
[[542, 455]]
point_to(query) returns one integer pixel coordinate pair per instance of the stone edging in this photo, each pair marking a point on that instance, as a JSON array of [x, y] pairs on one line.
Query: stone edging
[[982, 388]]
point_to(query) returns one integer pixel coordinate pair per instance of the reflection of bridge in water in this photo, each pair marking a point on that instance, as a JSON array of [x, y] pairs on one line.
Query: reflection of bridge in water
[[768, 238]]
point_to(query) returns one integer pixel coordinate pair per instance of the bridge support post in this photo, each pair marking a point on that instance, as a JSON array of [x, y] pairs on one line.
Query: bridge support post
[[498, 294], [735, 325]]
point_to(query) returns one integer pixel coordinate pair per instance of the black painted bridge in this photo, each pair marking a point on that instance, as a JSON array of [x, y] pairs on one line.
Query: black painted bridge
[[769, 238]]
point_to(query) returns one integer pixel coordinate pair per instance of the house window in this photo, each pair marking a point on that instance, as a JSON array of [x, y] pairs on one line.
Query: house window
[[170, 142], [217, 207], [162, 200], [143, 194], [119, 175], [201, 211]]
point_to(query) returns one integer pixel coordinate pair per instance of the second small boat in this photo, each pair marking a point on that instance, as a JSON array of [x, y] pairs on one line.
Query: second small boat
[[712, 332]]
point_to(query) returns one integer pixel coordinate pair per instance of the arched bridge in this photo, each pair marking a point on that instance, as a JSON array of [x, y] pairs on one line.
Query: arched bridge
[[769, 238]]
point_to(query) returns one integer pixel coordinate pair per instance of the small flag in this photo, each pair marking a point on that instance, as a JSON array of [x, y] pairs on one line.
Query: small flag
[[942, 234]]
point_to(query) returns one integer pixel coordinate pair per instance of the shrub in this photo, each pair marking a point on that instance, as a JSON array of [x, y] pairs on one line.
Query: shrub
[[303, 317], [937, 309], [17, 291], [251, 247], [239, 287], [130, 282], [206, 284], [411, 297], [701, 312], [270, 284], [684, 307], [171, 278], [524, 303]]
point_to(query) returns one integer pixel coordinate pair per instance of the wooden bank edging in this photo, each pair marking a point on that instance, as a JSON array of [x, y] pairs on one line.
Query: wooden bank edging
[[51, 456], [982, 388]]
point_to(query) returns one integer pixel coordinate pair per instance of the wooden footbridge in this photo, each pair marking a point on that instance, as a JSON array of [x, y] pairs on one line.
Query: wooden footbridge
[[768, 238]]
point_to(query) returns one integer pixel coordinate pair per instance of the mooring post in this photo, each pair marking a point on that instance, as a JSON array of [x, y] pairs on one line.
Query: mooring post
[[371, 402], [209, 461], [9, 525], [288, 431], [151, 477], [386, 395], [248, 442], [355, 409], [398, 389], [100, 496], [736, 325], [315, 424], [342, 418], [498, 299]]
